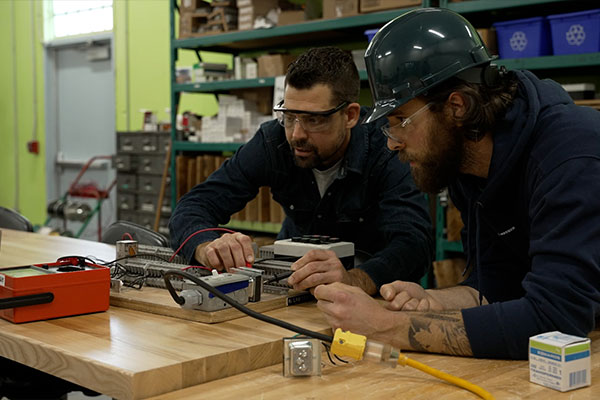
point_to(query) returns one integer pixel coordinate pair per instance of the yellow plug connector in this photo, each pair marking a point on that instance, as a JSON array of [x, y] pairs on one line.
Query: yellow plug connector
[[346, 343]]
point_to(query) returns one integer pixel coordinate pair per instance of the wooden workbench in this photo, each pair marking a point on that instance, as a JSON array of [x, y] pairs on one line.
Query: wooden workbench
[[129, 354], [504, 379]]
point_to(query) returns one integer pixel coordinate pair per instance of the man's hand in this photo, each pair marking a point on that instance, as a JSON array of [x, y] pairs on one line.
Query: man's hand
[[409, 296], [350, 308], [228, 251], [317, 267]]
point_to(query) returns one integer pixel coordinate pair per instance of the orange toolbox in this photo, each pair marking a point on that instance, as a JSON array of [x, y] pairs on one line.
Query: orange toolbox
[[69, 286]]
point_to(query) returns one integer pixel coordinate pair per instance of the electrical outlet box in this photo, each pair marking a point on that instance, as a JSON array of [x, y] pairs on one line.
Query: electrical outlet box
[[301, 357]]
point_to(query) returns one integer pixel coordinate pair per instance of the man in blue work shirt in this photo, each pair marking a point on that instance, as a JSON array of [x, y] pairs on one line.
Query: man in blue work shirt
[[522, 164], [331, 175]]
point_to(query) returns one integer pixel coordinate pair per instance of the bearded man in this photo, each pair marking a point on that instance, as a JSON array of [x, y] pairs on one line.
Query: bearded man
[[522, 164], [331, 175]]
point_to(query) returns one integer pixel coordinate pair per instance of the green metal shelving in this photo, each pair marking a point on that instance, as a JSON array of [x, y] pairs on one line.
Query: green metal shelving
[[535, 63], [552, 62], [223, 86], [338, 31], [259, 39], [466, 7], [208, 147]]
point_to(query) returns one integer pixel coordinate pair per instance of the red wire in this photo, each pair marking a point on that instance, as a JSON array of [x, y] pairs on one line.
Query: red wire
[[194, 234], [128, 235]]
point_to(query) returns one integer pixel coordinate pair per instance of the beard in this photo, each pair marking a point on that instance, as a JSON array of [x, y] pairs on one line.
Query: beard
[[313, 161], [440, 164], [319, 159]]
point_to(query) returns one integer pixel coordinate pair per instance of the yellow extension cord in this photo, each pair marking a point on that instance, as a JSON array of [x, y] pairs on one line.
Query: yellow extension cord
[[346, 343], [484, 394]]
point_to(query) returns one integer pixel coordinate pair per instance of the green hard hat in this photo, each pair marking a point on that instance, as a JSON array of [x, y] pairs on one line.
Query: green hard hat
[[416, 51]]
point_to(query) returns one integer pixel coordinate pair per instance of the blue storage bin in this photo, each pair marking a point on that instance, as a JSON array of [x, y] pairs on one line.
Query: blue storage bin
[[522, 38], [370, 33], [577, 32]]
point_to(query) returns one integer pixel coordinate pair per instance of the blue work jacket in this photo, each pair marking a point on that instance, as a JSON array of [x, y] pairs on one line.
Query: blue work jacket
[[373, 202]]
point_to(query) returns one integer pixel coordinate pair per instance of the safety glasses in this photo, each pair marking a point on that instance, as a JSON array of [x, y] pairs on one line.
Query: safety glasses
[[387, 129], [310, 121]]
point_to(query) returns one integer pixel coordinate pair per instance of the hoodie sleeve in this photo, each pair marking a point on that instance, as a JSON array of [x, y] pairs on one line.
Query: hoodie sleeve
[[562, 288]]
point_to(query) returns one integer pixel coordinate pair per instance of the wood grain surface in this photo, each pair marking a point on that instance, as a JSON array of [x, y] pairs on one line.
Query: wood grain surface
[[504, 379], [128, 354], [159, 301]]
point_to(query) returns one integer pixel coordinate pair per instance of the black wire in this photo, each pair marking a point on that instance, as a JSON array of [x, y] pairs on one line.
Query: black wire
[[286, 325], [278, 277], [339, 359], [328, 354]]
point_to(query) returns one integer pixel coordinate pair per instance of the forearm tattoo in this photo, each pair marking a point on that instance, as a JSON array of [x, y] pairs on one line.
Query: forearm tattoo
[[440, 332]]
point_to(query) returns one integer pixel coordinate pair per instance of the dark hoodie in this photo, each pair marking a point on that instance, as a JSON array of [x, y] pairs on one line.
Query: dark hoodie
[[532, 228]]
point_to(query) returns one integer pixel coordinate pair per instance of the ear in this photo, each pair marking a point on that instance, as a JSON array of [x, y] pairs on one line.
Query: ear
[[352, 115], [457, 103]]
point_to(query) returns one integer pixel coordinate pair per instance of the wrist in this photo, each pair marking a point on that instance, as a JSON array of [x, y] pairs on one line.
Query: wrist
[[388, 326], [200, 254], [359, 278]]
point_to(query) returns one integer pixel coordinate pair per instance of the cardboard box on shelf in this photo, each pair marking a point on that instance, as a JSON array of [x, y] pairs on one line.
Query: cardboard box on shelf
[[207, 20], [367, 6], [581, 91], [194, 6], [489, 39], [290, 17], [339, 8], [249, 10], [261, 96], [273, 64]]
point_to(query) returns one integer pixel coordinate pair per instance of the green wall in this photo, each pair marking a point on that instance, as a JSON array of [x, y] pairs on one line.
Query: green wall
[[141, 30], [22, 174], [142, 76]]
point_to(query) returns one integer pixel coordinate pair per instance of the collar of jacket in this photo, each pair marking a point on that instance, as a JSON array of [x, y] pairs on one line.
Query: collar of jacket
[[355, 158]]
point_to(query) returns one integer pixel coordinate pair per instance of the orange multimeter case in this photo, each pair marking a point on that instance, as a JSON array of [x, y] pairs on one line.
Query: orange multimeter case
[[69, 286]]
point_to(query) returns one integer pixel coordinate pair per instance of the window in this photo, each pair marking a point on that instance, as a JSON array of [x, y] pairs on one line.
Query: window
[[76, 17]]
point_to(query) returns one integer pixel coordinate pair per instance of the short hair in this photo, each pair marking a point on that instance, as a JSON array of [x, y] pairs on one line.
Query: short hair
[[486, 105], [326, 65]]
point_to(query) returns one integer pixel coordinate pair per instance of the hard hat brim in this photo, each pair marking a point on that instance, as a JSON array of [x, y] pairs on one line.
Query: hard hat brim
[[380, 111]]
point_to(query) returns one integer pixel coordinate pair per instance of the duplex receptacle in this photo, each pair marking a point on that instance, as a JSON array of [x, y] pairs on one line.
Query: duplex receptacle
[[301, 357]]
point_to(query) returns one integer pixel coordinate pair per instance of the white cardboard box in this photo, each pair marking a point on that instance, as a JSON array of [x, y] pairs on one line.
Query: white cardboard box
[[560, 361]]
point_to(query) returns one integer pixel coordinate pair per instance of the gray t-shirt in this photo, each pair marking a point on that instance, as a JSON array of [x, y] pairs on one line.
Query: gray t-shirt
[[326, 177]]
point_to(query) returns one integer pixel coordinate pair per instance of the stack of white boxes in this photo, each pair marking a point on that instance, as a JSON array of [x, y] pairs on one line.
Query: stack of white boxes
[[237, 121], [249, 10]]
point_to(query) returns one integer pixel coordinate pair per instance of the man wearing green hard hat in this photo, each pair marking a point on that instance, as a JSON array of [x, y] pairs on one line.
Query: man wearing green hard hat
[[521, 162]]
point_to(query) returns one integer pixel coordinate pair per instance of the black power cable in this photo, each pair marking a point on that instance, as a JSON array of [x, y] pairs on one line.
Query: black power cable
[[265, 318]]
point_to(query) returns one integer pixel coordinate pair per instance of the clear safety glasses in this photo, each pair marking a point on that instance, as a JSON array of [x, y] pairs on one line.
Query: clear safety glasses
[[404, 122], [310, 121]]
